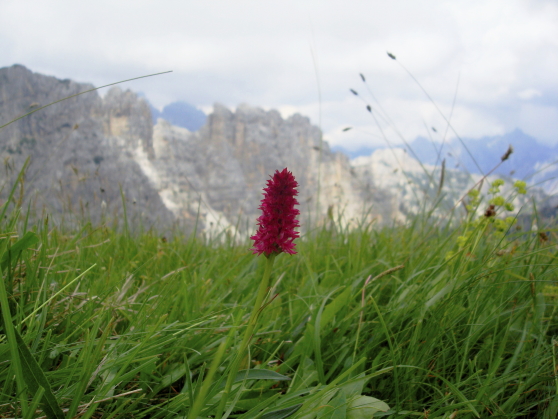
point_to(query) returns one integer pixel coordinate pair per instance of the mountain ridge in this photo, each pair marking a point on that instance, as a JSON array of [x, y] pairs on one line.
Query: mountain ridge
[[481, 155], [99, 157]]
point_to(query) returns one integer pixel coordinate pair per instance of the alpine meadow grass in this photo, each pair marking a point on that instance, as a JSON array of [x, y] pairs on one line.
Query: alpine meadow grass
[[359, 322]]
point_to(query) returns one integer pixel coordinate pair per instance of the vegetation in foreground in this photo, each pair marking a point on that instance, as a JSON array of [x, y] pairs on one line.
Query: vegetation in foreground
[[435, 322]]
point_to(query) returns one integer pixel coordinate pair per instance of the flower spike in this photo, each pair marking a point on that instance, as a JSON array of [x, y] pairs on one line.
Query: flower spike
[[277, 223]]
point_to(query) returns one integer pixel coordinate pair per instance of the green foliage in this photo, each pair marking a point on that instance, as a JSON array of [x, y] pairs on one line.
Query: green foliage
[[490, 223], [138, 326]]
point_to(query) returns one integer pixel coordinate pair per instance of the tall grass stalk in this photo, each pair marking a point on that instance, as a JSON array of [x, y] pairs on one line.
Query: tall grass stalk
[[250, 329]]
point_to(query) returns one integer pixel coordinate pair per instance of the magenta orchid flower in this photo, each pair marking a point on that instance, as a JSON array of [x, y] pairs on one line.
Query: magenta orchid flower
[[277, 223]]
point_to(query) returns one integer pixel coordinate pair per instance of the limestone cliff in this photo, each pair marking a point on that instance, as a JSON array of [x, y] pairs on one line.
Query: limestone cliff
[[80, 150], [221, 169]]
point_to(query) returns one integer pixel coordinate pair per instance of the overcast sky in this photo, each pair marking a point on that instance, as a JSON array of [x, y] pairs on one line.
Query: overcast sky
[[497, 58]]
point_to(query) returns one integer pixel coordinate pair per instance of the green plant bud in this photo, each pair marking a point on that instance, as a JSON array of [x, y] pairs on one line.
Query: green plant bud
[[498, 201]]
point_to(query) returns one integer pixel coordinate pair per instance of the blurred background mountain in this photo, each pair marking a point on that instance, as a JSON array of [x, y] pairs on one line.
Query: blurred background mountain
[[180, 114], [104, 158]]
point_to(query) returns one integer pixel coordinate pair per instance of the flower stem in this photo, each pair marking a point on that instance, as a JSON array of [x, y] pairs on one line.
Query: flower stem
[[248, 333]]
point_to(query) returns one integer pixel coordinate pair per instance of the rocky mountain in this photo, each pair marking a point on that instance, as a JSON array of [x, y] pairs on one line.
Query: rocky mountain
[[223, 167], [80, 150], [532, 161], [418, 186], [88, 152], [481, 155], [100, 158]]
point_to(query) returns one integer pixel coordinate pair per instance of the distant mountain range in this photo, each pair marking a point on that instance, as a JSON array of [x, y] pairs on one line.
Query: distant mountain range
[[531, 161], [180, 114], [482, 155], [101, 157]]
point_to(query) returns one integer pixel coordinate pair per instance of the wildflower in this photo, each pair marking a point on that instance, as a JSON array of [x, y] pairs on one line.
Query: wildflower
[[521, 187], [278, 220], [275, 235], [495, 188], [498, 201], [501, 225], [473, 193]]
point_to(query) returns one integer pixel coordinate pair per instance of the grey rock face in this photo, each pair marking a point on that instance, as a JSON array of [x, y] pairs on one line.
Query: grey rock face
[[128, 118], [79, 149], [225, 165]]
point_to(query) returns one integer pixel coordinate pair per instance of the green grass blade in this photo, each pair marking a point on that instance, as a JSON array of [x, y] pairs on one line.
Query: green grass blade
[[259, 375], [35, 403], [29, 239], [282, 413], [9, 329], [35, 379]]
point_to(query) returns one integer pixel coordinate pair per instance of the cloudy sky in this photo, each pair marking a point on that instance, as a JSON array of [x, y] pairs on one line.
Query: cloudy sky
[[489, 65]]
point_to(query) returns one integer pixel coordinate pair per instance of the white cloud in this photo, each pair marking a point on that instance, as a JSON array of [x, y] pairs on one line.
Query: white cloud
[[539, 121], [528, 94]]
